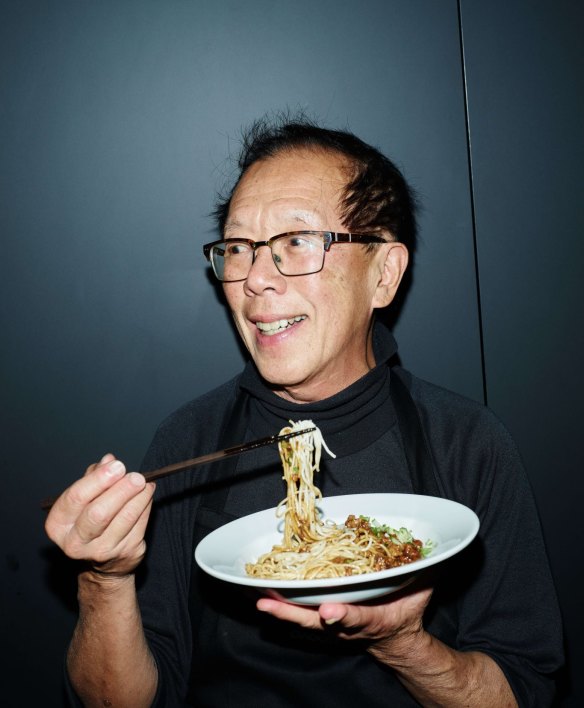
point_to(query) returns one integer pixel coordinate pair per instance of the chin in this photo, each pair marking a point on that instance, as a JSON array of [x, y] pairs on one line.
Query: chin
[[277, 378]]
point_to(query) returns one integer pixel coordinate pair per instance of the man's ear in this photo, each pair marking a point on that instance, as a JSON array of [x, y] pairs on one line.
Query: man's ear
[[392, 264]]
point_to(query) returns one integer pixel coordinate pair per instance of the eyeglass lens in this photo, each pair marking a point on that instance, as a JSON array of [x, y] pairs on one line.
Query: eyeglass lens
[[293, 254]]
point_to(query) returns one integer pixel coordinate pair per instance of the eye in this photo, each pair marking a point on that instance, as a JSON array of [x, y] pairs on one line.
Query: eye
[[296, 242], [236, 249], [299, 242]]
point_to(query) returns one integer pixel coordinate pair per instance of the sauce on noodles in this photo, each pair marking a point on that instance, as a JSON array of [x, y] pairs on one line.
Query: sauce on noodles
[[314, 548]]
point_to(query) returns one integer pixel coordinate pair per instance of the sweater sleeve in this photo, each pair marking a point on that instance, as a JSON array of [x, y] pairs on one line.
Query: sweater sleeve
[[164, 577], [503, 591]]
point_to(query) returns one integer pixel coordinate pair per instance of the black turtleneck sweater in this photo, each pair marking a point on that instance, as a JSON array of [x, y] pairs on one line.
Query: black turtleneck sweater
[[207, 634], [358, 425]]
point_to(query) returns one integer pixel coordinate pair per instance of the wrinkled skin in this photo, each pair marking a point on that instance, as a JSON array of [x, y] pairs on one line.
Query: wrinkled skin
[[330, 347]]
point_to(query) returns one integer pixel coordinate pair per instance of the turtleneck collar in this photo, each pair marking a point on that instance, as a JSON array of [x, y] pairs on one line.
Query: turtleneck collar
[[347, 410]]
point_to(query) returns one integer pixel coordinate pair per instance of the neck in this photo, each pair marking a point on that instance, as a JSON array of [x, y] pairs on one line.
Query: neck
[[321, 388]]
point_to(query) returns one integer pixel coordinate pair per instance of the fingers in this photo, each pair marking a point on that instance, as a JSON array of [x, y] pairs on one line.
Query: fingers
[[388, 617], [103, 516], [347, 621], [97, 512], [306, 617], [121, 547], [332, 613], [108, 457], [341, 617], [391, 615], [98, 477], [359, 621]]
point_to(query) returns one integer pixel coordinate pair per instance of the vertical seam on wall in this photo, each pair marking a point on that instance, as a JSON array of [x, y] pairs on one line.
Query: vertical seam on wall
[[472, 201]]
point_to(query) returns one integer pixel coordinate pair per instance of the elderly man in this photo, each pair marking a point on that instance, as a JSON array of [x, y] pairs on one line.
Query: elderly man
[[315, 239]]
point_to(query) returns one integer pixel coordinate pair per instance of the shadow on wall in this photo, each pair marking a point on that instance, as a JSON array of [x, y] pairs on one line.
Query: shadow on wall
[[61, 576]]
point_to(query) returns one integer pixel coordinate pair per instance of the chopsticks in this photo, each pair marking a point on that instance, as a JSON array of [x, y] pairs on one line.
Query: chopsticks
[[204, 459]]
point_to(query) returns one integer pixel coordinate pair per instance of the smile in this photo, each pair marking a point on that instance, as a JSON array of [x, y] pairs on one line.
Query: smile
[[278, 326]]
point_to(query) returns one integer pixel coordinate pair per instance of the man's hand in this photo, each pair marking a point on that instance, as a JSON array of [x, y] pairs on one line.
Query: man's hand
[[436, 675], [395, 620], [102, 518]]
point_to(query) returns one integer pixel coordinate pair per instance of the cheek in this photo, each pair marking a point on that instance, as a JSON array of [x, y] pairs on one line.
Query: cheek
[[333, 304], [233, 296], [346, 298], [343, 287]]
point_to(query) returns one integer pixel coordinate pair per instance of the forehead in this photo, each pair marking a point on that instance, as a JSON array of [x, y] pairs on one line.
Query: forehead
[[297, 185]]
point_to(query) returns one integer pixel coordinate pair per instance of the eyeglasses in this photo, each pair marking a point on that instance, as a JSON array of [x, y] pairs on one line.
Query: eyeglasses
[[293, 253]]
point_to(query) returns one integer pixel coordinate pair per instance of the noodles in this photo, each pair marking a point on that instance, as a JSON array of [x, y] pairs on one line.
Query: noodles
[[313, 548]]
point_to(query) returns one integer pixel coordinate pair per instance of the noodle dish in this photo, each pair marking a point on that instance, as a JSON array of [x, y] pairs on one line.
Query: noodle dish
[[313, 547], [350, 548]]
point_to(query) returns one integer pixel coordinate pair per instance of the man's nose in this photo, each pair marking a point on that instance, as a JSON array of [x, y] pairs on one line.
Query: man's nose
[[263, 272], [264, 252]]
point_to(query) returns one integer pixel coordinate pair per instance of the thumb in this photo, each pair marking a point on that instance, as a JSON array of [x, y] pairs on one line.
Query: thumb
[[333, 613]]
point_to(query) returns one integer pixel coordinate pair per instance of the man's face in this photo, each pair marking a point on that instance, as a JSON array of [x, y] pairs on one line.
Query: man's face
[[324, 344]]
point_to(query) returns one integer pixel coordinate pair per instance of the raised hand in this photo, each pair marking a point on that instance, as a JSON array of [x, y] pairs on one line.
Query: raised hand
[[102, 518]]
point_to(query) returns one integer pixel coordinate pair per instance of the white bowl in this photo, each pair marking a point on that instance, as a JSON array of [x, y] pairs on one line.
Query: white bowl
[[449, 525]]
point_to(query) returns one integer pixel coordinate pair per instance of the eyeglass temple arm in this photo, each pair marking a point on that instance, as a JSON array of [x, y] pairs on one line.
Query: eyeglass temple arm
[[336, 237]]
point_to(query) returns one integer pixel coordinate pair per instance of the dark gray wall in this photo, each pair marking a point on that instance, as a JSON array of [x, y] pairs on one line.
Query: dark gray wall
[[116, 119], [525, 68]]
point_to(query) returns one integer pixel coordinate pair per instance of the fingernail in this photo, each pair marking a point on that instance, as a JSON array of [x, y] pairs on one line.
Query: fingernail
[[136, 479], [116, 469], [332, 620]]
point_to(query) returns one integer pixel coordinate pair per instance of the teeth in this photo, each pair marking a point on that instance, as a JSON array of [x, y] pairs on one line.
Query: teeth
[[270, 328]]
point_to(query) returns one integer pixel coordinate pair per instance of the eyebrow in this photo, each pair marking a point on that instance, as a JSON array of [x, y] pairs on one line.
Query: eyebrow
[[231, 225]]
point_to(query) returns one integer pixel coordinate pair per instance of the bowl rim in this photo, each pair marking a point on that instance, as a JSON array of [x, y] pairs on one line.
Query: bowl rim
[[433, 558]]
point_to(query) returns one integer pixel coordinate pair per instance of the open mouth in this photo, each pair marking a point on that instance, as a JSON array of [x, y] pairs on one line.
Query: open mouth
[[277, 326]]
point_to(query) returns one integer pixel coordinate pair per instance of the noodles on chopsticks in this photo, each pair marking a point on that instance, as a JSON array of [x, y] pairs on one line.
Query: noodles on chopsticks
[[315, 548]]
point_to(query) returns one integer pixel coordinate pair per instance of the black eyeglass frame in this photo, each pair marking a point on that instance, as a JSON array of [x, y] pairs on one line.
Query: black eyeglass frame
[[328, 238]]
